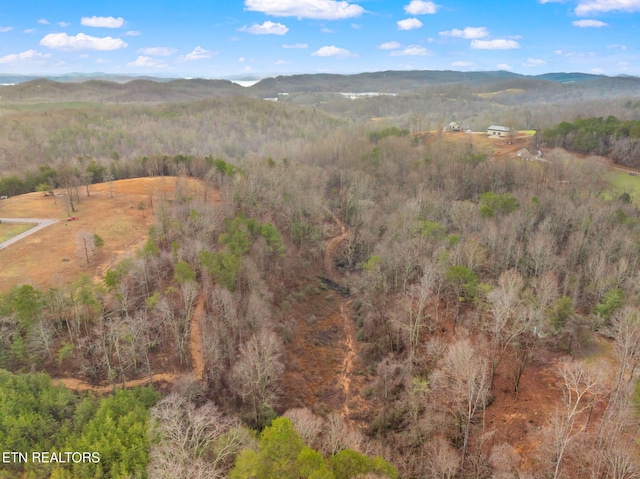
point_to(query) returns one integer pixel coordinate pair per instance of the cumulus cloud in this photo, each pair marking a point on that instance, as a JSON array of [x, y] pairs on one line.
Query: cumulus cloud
[[157, 51], [314, 9], [147, 62], [29, 30], [281, 62], [64, 24], [198, 53], [333, 51], [617, 45], [389, 46], [504, 66], [418, 7], [267, 28], [132, 33], [497, 44], [589, 23], [468, 33], [296, 45], [102, 22], [43, 21], [23, 57], [533, 62], [601, 6], [409, 24], [462, 64], [81, 41], [5, 29], [411, 51]]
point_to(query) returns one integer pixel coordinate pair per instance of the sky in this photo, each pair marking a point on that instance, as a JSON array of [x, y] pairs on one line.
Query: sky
[[256, 38]]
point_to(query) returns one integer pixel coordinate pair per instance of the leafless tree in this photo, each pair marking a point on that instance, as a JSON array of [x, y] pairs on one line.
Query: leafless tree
[[192, 442], [258, 370], [579, 388]]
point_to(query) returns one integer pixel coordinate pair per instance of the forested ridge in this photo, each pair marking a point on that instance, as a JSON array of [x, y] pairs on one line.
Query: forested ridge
[[609, 136], [492, 310]]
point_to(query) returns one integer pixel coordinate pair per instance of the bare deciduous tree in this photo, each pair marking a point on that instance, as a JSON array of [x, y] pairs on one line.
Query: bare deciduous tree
[[192, 442], [258, 370]]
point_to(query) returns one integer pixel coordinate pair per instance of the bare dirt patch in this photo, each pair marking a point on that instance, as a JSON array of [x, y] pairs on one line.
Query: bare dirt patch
[[54, 256]]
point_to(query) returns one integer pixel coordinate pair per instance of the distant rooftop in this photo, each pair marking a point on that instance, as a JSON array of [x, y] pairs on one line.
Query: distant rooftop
[[498, 128]]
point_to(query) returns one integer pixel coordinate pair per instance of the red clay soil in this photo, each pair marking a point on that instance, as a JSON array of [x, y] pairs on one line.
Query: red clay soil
[[195, 374], [520, 421]]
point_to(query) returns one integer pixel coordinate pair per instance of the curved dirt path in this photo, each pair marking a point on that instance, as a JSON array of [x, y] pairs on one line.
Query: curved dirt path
[[330, 251], [196, 373], [349, 341], [344, 379], [41, 223]]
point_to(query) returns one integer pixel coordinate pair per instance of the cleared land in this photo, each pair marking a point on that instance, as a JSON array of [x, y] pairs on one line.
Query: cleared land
[[54, 255], [8, 231]]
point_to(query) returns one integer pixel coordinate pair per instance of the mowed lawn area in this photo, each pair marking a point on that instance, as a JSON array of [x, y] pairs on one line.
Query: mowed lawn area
[[8, 231], [623, 182]]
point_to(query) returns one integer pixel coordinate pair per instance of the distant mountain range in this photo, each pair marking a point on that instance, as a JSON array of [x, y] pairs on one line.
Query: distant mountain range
[[101, 87]]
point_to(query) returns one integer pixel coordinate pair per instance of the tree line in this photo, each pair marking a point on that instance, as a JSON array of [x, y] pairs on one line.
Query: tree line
[[618, 139]]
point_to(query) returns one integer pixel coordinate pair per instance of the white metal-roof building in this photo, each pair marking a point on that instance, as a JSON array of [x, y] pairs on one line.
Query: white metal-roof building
[[497, 131]]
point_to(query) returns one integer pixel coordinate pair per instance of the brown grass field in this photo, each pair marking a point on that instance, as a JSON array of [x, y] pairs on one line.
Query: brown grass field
[[54, 256]]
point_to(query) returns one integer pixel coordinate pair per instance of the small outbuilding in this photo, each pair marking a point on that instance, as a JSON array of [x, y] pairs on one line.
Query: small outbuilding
[[453, 126], [497, 131]]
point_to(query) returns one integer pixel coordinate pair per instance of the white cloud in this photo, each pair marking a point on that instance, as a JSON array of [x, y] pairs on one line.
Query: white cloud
[[241, 59], [296, 45], [462, 64], [598, 71], [29, 30], [281, 62], [198, 53], [551, 1], [497, 44], [533, 62], [389, 46], [409, 24], [132, 33], [617, 45], [589, 23], [5, 29], [315, 9], [81, 41], [157, 51], [102, 22], [43, 21], [333, 51], [23, 57], [600, 6], [468, 33], [356, 26], [504, 66], [64, 24], [147, 62], [412, 51], [418, 7], [267, 28], [326, 30]]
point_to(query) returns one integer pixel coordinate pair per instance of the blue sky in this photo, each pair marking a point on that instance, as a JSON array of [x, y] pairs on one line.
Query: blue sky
[[216, 39]]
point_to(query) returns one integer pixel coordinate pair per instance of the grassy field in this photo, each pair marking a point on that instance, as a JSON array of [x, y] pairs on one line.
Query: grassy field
[[622, 182], [8, 231]]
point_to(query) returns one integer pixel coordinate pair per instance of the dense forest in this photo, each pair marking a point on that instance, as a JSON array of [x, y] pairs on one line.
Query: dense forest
[[374, 300], [611, 137]]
